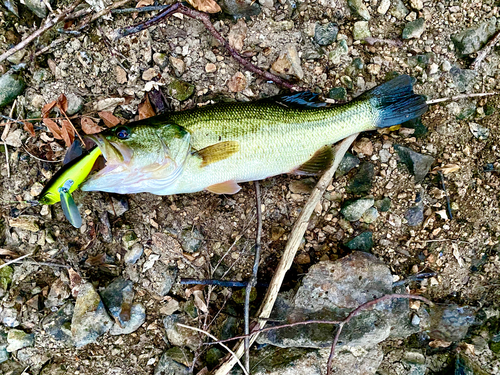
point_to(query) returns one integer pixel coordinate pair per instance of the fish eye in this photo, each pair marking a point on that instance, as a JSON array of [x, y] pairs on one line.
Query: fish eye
[[122, 132]]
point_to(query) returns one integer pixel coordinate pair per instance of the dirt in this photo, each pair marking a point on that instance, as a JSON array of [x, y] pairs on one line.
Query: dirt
[[462, 251]]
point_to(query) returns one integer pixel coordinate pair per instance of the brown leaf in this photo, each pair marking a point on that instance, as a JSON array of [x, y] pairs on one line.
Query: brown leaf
[[199, 302], [67, 133], [439, 344], [89, 126], [144, 3], [47, 108], [75, 280], [448, 168], [209, 6], [146, 109], [110, 120], [237, 83], [62, 103], [8, 252], [53, 128], [28, 126], [237, 35]]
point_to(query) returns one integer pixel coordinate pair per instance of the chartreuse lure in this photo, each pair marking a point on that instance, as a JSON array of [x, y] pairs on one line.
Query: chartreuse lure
[[67, 180]]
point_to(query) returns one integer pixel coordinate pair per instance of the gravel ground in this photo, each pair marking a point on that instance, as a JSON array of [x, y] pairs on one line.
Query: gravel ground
[[462, 252]]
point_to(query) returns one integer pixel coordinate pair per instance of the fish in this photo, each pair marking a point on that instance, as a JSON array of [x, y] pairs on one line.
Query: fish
[[217, 147]]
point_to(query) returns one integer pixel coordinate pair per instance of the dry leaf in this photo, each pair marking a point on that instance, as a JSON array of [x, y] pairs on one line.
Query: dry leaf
[[144, 3], [89, 126], [199, 302], [439, 344], [62, 103], [67, 133], [28, 126], [53, 128], [448, 168], [110, 120], [237, 35], [209, 6], [75, 280], [47, 108], [237, 83], [8, 252], [146, 109]]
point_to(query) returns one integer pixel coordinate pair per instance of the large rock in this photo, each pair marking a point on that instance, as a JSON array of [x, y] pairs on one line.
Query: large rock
[[418, 164], [330, 291], [90, 319], [11, 86], [472, 40], [58, 324]]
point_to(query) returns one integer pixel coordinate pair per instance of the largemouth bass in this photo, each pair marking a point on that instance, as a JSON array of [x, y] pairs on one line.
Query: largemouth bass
[[217, 147]]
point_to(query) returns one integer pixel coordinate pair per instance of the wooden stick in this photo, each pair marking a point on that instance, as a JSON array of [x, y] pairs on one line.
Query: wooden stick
[[485, 51], [290, 250], [458, 97]]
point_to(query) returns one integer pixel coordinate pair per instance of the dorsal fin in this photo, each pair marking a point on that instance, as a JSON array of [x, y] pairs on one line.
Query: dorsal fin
[[318, 163], [228, 187], [303, 99], [217, 152]]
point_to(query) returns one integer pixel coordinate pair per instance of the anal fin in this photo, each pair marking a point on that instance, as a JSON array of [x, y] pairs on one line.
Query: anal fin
[[318, 163], [217, 152], [228, 187]]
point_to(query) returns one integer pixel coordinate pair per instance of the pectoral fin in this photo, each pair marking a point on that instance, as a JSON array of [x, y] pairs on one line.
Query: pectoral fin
[[217, 152], [228, 187], [318, 163]]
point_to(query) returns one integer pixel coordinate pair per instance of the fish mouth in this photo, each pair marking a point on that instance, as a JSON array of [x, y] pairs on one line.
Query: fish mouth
[[115, 154]]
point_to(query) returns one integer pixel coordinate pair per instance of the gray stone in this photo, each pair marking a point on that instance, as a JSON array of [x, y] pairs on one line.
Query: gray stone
[[4, 354], [18, 339], [75, 104], [342, 49], [303, 186], [398, 9], [448, 322], [118, 297], [240, 8], [90, 319], [11, 86], [162, 278], [38, 7], [360, 9], [463, 78], [137, 319], [325, 35], [179, 336], [362, 181], [383, 205], [418, 164], [338, 93], [370, 215], [472, 40], [414, 29], [415, 214], [191, 239], [349, 161], [361, 30], [363, 242], [330, 291], [480, 132], [59, 292], [118, 205], [180, 90], [58, 324], [9, 317], [133, 254], [54, 369], [353, 210], [384, 6], [173, 362]]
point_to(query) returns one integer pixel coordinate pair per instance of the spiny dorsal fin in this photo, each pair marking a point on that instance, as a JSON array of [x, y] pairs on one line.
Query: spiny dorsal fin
[[217, 152], [228, 187], [304, 100], [318, 163]]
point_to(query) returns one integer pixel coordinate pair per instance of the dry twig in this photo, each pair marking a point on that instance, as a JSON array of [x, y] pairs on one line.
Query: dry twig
[[481, 55], [458, 97], [205, 19], [46, 26], [17, 260], [233, 354], [290, 251], [253, 279]]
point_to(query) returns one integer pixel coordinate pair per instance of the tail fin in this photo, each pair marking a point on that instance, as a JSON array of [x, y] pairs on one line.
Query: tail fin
[[395, 102]]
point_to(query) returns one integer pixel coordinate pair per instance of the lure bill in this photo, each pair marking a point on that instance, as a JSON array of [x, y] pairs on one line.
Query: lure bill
[[67, 180]]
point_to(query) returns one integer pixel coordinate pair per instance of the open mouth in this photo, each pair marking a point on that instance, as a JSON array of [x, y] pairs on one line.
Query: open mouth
[[114, 154]]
